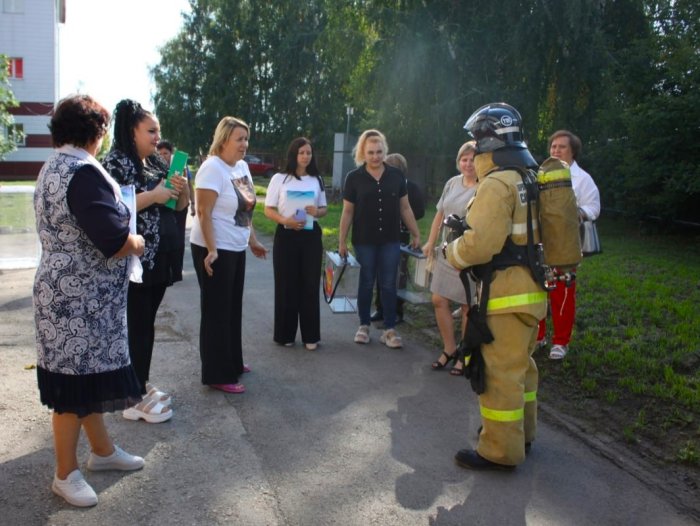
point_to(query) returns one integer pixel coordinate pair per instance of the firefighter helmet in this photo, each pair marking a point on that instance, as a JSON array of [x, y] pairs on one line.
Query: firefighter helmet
[[495, 126]]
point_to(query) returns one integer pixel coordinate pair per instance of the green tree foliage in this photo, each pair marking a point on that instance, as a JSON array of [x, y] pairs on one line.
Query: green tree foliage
[[627, 32], [622, 74], [281, 66], [182, 75], [645, 149], [7, 101]]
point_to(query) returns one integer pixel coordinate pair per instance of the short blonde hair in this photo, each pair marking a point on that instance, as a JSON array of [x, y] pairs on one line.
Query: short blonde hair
[[223, 132], [368, 135], [397, 161], [469, 146]]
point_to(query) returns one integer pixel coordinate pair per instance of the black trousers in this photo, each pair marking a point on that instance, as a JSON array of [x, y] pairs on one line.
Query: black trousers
[[221, 307], [296, 259], [142, 307], [181, 220]]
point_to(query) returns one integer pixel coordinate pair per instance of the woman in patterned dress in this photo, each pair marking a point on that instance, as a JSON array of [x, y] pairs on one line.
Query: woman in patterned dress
[[80, 287], [133, 161]]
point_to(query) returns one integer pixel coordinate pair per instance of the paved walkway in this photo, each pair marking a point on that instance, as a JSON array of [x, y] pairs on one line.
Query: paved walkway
[[347, 435]]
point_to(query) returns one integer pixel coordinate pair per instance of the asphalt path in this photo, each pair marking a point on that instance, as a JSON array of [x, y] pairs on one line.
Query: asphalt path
[[346, 435]]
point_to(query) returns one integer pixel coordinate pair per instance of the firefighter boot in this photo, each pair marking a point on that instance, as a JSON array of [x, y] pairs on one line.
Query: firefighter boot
[[470, 459]]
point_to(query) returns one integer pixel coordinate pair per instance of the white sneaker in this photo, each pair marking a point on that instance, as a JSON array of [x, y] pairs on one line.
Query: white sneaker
[[557, 352], [391, 338], [75, 490], [119, 460], [362, 334]]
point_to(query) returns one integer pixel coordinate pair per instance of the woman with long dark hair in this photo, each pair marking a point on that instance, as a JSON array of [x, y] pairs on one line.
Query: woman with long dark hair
[[133, 161], [295, 200]]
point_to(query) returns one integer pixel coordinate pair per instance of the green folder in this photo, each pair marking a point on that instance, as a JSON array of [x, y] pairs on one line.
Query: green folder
[[178, 164]]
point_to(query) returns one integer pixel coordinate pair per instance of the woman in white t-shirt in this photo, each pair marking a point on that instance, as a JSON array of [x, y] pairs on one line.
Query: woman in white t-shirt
[[222, 230], [295, 199]]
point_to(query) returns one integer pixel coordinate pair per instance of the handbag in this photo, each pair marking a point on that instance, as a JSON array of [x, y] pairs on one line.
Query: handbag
[[590, 242]]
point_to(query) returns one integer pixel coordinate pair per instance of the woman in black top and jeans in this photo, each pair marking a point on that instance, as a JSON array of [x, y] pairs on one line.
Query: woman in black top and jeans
[[375, 201]]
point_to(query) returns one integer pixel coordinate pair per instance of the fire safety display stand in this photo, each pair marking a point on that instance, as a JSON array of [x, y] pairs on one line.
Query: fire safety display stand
[[413, 264], [341, 277]]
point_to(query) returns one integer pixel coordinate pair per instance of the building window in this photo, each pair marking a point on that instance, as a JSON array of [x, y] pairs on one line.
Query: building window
[[13, 6], [15, 133], [15, 68]]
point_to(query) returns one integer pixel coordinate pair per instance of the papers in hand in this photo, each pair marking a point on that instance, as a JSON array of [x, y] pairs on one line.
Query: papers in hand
[[300, 200], [129, 198]]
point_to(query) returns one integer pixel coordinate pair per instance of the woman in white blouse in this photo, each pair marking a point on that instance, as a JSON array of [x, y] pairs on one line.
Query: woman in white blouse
[[295, 199], [222, 230]]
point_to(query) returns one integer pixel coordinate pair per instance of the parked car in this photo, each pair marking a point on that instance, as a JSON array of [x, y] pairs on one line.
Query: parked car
[[259, 167]]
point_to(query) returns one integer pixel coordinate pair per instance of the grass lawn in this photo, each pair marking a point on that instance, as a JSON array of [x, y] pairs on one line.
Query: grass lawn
[[633, 370], [16, 209], [635, 354]]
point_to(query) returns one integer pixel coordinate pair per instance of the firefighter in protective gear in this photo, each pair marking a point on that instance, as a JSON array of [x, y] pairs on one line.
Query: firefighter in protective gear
[[497, 219]]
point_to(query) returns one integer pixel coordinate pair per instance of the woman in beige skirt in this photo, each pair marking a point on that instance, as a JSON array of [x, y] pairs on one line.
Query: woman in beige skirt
[[446, 285]]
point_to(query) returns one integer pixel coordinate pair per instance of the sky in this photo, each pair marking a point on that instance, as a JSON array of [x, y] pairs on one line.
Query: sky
[[106, 47]]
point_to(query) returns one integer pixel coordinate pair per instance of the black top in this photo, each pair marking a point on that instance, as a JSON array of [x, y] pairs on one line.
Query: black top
[[377, 216], [415, 199], [152, 222], [91, 200]]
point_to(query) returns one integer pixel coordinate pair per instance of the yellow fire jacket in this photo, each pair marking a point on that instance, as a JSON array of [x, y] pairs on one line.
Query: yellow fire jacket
[[499, 211]]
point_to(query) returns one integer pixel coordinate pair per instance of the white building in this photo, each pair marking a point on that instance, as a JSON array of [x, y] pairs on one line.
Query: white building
[[29, 36]]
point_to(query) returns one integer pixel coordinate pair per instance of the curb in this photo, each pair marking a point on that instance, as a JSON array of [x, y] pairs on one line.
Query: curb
[[674, 489]]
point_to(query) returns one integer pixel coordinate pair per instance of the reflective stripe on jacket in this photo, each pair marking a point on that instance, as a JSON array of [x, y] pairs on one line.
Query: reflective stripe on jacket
[[499, 211]]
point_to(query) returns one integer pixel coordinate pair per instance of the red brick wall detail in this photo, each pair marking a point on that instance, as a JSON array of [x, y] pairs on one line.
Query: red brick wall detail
[[38, 141], [17, 170], [33, 109]]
